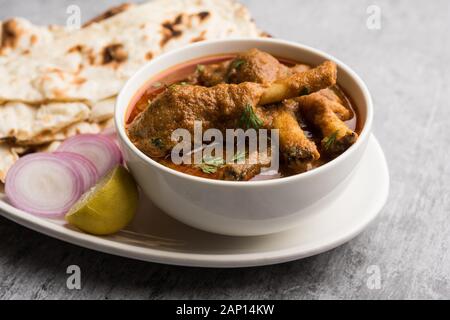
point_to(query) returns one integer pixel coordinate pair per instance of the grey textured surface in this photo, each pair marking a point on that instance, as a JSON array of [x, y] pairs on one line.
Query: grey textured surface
[[406, 65]]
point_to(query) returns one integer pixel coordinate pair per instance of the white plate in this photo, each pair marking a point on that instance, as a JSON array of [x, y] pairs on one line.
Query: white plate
[[155, 237]]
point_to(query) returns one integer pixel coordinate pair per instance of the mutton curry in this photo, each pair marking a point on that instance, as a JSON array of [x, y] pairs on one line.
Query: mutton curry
[[314, 118]]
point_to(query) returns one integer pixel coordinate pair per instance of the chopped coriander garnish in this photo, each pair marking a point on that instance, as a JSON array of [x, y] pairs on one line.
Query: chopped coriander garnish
[[249, 119], [157, 142], [234, 66], [210, 164], [200, 68], [237, 63], [239, 156], [304, 91], [207, 168], [182, 83], [330, 140], [216, 161]]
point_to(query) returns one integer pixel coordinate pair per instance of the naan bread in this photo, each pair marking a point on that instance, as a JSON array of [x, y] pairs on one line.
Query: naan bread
[[18, 36], [102, 110], [49, 147], [7, 159], [56, 83], [21, 122], [82, 127], [48, 142], [92, 63], [111, 12]]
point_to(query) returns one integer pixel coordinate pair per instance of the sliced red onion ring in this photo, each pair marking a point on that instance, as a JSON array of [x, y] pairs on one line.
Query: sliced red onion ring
[[84, 166], [99, 149], [43, 184]]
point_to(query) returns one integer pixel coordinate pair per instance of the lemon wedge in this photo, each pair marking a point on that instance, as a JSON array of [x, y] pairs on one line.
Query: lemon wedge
[[107, 207]]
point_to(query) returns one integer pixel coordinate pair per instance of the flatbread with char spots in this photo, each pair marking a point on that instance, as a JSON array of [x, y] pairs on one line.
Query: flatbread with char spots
[[93, 63], [57, 82]]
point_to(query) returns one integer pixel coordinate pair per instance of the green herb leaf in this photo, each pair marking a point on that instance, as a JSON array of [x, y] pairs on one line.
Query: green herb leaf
[[237, 63], [208, 169], [174, 85], [305, 91], [211, 164], [217, 161], [157, 142], [249, 119], [239, 156], [200, 68], [330, 140]]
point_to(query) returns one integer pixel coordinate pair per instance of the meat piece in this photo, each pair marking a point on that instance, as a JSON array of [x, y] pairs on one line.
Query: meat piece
[[256, 66], [295, 148], [233, 171], [250, 66], [251, 167], [210, 75], [337, 137], [218, 107], [260, 67], [298, 68], [300, 84], [239, 172], [338, 104], [333, 93], [342, 112]]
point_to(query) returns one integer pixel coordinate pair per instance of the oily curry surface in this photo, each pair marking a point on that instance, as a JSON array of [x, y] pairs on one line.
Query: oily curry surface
[[316, 121]]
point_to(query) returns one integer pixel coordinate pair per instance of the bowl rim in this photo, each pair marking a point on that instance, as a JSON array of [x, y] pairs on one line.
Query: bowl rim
[[364, 135]]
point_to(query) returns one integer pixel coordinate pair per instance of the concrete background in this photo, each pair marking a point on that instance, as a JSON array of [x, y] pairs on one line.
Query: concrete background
[[406, 65]]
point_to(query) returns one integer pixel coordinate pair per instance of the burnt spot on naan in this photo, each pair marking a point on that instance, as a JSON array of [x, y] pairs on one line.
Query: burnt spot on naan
[[109, 13], [178, 19], [77, 48], [114, 53], [111, 55], [174, 28], [19, 35], [169, 32], [86, 52], [203, 15], [201, 37], [149, 55], [11, 32]]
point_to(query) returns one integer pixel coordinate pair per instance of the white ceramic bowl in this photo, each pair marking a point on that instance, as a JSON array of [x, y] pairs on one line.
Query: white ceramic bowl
[[243, 208]]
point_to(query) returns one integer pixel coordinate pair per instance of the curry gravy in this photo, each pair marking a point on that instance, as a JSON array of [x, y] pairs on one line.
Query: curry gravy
[[181, 73]]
